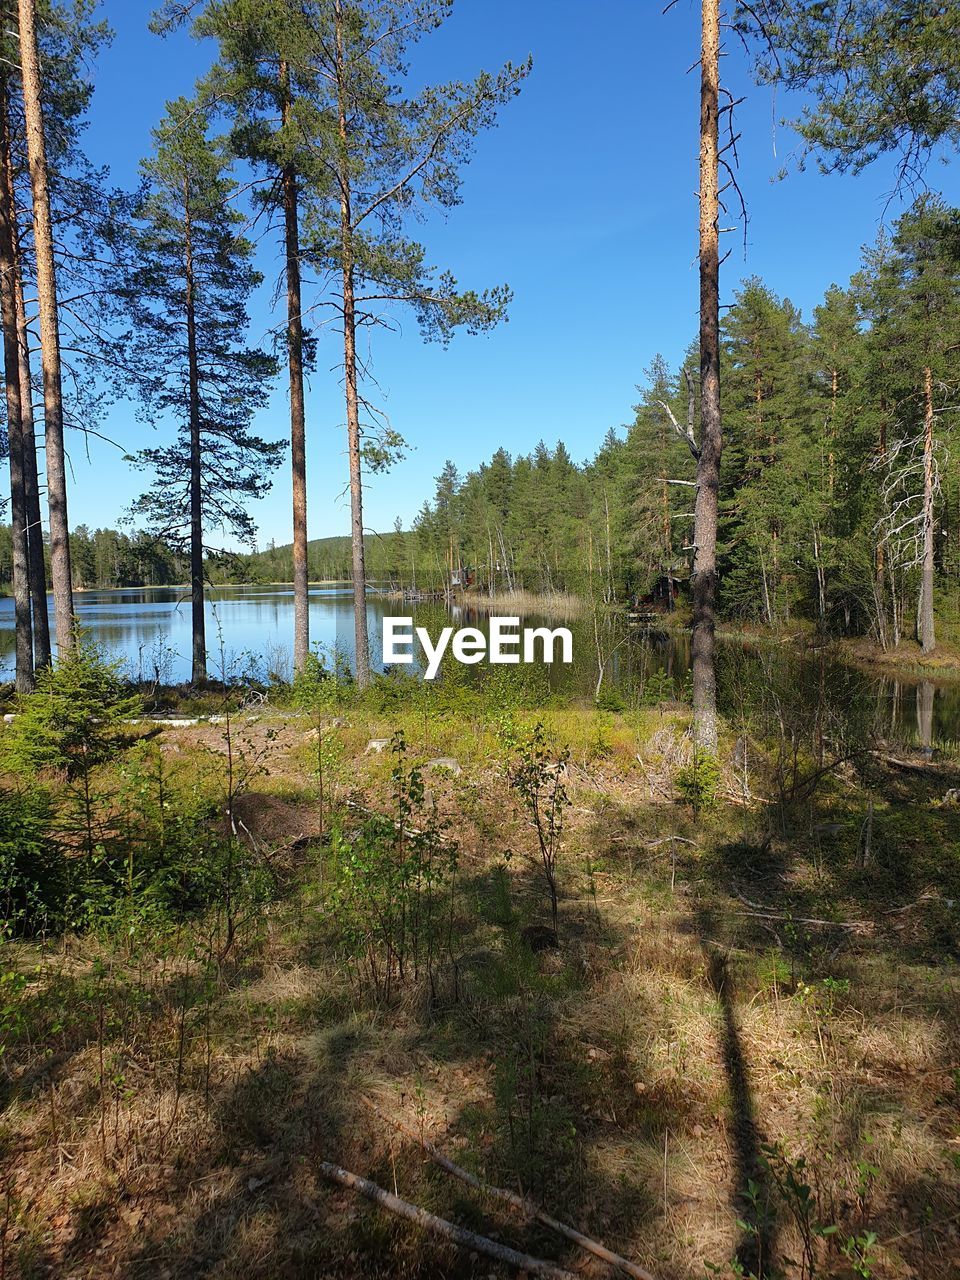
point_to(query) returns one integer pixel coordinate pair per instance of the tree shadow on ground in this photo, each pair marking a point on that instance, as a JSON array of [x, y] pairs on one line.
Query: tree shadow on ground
[[542, 1117], [753, 1193]]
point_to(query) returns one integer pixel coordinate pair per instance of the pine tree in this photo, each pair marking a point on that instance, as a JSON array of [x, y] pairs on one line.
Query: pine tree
[[912, 296], [49, 324], [704, 580], [387, 154], [266, 81], [15, 432], [188, 291], [880, 77]]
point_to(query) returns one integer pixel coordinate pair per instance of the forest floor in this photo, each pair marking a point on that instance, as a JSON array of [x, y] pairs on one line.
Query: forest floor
[[747, 1044]]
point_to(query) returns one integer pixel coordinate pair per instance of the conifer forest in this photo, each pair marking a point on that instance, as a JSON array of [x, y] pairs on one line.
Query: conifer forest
[[480, 639]]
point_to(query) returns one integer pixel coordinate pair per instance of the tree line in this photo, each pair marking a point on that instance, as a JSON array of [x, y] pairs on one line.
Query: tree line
[[305, 127], [835, 502]]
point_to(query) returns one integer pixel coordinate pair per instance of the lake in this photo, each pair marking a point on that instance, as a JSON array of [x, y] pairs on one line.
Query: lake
[[250, 631]]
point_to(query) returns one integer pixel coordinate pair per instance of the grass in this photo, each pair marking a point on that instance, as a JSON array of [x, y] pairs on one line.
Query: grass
[[165, 1105]]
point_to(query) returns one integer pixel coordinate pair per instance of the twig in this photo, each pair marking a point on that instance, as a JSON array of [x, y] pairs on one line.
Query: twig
[[518, 1202], [829, 924], [440, 1226]]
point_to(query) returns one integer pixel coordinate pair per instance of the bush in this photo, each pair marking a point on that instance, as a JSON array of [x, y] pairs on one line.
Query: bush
[[33, 871], [69, 722], [699, 781]]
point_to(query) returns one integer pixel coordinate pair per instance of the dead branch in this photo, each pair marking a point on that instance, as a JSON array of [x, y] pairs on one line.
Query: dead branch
[[685, 433], [460, 1236], [517, 1202]]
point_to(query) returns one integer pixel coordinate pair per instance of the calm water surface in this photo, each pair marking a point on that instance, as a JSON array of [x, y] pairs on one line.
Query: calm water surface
[[250, 630]]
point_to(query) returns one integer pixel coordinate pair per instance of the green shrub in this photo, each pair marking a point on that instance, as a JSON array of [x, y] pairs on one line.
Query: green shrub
[[70, 721], [33, 871], [393, 884], [699, 781]]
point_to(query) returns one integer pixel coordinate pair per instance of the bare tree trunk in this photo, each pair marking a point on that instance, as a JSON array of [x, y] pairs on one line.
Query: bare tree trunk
[[11, 366], [49, 330], [927, 634], [350, 383], [704, 585], [821, 579], [298, 418], [31, 479], [925, 700], [199, 631], [38, 568]]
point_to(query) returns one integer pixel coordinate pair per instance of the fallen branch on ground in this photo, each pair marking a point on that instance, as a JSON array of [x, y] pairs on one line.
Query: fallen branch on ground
[[404, 831], [440, 1226], [762, 912], [831, 924], [914, 766], [518, 1202]]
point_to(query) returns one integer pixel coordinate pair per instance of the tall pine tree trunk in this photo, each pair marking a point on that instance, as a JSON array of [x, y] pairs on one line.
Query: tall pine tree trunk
[[362, 642], [199, 671], [49, 330], [298, 428], [927, 634], [38, 568], [31, 479], [704, 585], [11, 366]]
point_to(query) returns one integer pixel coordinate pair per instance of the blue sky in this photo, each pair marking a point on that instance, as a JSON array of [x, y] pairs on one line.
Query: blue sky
[[583, 199]]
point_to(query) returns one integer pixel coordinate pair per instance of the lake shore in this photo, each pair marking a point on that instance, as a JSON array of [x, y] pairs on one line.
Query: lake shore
[[907, 660]]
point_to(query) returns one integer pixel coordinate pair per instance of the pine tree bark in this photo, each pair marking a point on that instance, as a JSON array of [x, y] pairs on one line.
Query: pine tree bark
[[49, 329], [38, 568], [361, 638], [199, 667], [704, 586], [31, 479], [23, 628], [298, 430], [927, 632]]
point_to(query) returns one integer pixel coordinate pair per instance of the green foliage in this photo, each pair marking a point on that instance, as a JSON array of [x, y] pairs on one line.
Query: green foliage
[[33, 872], [879, 77], [393, 881], [72, 720], [699, 781], [536, 774]]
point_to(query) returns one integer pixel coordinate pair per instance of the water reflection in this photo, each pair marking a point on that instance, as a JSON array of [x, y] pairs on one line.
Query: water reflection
[[250, 629]]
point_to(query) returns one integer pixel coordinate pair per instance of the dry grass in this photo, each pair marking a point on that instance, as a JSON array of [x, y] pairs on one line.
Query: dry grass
[[164, 1110]]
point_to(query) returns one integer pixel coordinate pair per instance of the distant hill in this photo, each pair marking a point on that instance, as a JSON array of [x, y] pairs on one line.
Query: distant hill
[[326, 558]]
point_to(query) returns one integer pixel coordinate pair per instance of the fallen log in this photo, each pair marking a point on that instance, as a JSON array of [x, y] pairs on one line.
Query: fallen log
[[440, 1226], [518, 1202]]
